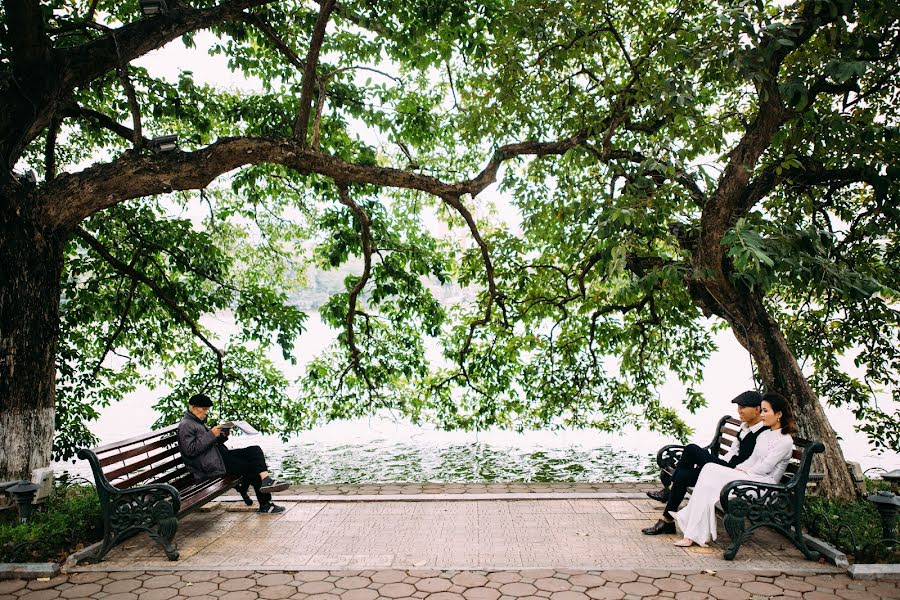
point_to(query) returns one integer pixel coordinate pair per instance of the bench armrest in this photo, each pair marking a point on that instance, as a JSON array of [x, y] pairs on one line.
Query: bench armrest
[[668, 455], [753, 492], [106, 490]]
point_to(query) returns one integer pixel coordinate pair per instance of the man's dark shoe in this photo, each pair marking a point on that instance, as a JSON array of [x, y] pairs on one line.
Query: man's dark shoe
[[270, 486], [660, 527], [242, 490], [659, 495], [270, 508]]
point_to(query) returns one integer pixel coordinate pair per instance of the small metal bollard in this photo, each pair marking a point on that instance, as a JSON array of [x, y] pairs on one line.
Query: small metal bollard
[[23, 494], [887, 504]]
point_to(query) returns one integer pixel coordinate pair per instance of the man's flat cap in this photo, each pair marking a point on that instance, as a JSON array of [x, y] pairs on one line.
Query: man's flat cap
[[748, 398], [203, 400]]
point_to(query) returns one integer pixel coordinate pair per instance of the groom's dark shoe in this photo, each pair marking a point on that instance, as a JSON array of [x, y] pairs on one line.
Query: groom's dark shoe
[[659, 495], [660, 527]]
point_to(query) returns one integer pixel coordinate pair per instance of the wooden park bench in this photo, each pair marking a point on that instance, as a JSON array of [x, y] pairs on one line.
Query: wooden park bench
[[749, 505], [144, 485]]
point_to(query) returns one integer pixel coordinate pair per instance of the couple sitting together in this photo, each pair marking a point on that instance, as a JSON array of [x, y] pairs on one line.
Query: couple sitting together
[[762, 454], [206, 455]]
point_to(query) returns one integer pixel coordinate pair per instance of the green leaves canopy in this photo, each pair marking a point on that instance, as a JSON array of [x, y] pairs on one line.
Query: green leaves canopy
[[577, 313]]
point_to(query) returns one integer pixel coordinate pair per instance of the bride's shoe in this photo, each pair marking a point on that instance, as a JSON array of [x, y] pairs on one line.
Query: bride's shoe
[[686, 542]]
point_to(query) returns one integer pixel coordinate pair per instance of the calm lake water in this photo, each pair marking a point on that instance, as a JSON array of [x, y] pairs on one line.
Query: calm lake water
[[384, 449]]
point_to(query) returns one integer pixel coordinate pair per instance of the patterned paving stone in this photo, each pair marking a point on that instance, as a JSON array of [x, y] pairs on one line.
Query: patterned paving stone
[[675, 585], [275, 579], [160, 581], [728, 593], [638, 588], [362, 594], [157, 594], [201, 588], [238, 584], [568, 595], [122, 586], [605, 592], [617, 576], [12, 585], [587, 580], [517, 589], [352, 582], [82, 590], [40, 594], [433, 585], [761, 588], [315, 587], [789, 583], [504, 576], [239, 595], [389, 576], [468, 579], [396, 590], [552, 584], [277, 592], [481, 593]]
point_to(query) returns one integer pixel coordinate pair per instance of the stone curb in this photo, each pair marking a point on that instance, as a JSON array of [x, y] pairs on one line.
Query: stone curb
[[28, 570], [72, 560], [837, 557], [879, 572], [419, 497], [813, 570]]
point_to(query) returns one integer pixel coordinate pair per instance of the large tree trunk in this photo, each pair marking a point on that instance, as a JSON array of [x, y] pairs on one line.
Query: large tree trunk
[[31, 259], [761, 336]]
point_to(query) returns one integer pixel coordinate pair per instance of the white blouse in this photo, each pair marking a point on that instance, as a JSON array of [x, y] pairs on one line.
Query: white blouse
[[770, 457]]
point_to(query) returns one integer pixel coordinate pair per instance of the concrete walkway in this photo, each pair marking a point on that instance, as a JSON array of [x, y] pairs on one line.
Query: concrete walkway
[[446, 542], [434, 532]]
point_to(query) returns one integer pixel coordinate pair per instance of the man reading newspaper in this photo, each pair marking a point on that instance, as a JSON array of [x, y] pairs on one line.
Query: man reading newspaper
[[206, 455]]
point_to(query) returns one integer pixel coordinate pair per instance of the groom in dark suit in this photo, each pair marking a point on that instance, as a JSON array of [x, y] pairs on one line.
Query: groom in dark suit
[[694, 457]]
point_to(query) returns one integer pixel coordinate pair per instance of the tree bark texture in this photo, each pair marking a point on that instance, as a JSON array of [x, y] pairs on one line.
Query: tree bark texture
[[31, 259]]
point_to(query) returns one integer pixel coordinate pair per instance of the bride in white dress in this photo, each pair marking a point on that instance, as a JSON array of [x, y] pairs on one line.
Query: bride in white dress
[[768, 462]]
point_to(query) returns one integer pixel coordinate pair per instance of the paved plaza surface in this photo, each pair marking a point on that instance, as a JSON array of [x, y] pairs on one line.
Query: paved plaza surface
[[447, 542], [463, 533], [421, 584]]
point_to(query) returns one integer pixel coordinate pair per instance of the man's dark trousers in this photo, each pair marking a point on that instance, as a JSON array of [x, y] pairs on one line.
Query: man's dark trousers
[[686, 473], [248, 463]]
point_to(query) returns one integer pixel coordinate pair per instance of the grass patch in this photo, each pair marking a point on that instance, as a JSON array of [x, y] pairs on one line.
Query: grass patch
[[68, 521], [852, 527]]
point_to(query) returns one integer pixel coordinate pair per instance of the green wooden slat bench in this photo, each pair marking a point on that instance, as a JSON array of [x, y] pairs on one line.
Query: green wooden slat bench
[[749, 505], [144, 485]]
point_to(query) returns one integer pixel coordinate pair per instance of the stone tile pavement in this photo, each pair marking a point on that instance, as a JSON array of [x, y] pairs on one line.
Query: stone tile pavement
[[462, 534], [428, 584]]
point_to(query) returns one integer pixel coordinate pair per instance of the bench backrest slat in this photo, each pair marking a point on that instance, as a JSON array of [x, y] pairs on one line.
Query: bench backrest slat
[[138, 439], [133, 467], [148, 476], [728, 435], [136, 451]]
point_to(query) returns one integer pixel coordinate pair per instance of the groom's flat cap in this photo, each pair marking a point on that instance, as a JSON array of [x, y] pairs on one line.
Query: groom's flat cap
[[748, 398], [201, 400]]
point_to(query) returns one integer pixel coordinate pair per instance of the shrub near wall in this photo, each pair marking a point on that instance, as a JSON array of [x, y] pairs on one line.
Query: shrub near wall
[[853, 527], [68, 521]]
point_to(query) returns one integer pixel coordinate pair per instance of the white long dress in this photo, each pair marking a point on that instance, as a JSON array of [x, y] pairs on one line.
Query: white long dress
[[768, 462]]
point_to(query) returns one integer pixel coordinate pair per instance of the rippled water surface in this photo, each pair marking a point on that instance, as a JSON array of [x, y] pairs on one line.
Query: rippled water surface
[[383, 461]]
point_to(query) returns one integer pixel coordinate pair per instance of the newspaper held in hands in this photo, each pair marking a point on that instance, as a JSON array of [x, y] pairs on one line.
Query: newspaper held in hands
[[242, 426]]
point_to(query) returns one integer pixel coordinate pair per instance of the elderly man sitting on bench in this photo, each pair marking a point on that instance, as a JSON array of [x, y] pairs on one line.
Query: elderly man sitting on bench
[[206, 455], [694, 457]]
